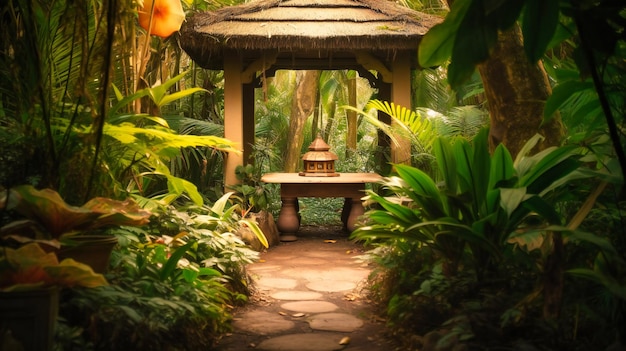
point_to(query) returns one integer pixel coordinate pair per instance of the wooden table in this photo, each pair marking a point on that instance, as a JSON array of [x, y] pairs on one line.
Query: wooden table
[[350, 186]]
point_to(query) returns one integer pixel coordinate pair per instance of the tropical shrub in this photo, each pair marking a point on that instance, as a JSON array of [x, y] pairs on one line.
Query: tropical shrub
[[172, 284], [486, 238]]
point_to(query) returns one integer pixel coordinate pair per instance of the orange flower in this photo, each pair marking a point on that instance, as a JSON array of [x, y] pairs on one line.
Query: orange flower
[[167, 16]]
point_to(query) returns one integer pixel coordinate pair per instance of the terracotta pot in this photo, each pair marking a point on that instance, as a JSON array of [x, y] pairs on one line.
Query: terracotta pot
[[93, 250], [28, 318]]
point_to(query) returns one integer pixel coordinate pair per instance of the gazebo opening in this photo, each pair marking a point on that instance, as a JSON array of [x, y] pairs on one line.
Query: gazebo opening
[[378, 39]]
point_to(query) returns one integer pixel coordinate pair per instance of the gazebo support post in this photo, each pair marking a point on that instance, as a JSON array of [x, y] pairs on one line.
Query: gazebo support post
[[233, 114], [248, 121], [401, 95]]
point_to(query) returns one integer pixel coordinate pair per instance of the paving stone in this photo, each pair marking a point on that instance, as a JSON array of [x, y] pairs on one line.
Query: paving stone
[[337, 322], [296, 295], [330, 285], [307, 261], [283, 257], [327, 273], [277, 283], [260, 267], [303, 342], [310, 306], [262, 323]]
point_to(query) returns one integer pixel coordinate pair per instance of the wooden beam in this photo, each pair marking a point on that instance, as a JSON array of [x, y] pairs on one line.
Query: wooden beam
[[260, 64], [370, 62]]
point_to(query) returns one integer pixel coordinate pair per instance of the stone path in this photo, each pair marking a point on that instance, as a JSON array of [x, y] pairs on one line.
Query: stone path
[[309, 297]]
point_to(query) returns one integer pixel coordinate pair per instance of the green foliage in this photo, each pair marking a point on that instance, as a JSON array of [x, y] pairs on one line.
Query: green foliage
[[55, 69], [470, 30], [589, 35], [173, 284], [468, 249], [480, 201], [250, 191]]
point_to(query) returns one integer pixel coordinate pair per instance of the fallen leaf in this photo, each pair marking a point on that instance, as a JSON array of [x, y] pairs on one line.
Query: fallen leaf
[[345, 340], [350, 297]]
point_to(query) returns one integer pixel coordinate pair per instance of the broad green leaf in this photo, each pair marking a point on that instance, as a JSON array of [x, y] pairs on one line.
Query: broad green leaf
[[526, 148], [529, 240], [157, 93], [192, 190], [602, 243], [544, 209], [127, 100], [534, 166], [209, 272], [402, 213], [118, 93], [425, 191], [175, 185], [435, 48], [459, 73], [167, 271], [220, 204], [503, 13], [501, 166], [178, 95], [561, 93], [549, 169], [474, 39], [190, 275], [447, 163], [618, 288], [540, 21], [511, 198], [256, 230]]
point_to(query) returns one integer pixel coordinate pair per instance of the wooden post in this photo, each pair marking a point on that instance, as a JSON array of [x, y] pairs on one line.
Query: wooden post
[[233, 114], [401, 95]]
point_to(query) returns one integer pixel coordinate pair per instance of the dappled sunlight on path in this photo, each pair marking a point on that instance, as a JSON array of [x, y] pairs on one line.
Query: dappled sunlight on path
[[309, 295]]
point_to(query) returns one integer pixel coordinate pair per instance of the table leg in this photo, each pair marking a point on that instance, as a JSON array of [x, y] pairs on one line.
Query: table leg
[[345, 212], [288, 221], [356, 210]]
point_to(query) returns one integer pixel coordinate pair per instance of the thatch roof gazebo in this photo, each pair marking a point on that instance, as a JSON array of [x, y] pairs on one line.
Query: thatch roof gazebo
[[377, 38]]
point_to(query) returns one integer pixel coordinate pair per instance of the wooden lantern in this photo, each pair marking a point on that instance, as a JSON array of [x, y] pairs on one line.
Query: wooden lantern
[[319, 162]]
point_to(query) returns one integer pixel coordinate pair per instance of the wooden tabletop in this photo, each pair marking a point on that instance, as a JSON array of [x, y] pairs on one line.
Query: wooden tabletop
[[343, 178]]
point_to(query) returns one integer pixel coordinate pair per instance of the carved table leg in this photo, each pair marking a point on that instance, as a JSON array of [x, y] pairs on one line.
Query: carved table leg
[[345, 212], [288, 221], [356, 210]]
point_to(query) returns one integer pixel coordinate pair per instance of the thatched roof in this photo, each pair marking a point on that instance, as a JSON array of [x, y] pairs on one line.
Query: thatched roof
[[313, 28]]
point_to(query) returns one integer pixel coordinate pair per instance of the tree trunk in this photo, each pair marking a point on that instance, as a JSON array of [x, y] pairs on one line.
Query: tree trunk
[[301, 108], [553, 279], [516, 91]]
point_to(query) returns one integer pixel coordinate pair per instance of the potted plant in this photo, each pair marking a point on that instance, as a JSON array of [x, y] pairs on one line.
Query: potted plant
[[70, 231], [30, 279]]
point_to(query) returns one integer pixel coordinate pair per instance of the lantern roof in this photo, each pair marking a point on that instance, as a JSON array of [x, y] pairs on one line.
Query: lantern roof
[[318, 151]]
